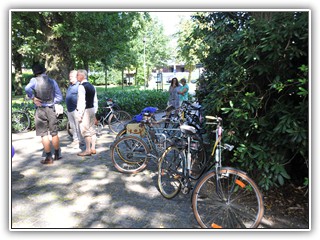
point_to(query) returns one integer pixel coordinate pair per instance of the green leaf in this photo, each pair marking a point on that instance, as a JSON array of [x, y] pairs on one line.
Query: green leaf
[[280, 180]]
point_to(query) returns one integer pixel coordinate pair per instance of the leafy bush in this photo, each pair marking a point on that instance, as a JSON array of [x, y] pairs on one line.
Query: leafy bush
[[135, 100], [257, 79]]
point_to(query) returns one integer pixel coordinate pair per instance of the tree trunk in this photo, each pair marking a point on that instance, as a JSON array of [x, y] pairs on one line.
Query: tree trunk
[[262, 15], [106, 77], [57, 57], [17, 77], [135, 78], [122, 75]]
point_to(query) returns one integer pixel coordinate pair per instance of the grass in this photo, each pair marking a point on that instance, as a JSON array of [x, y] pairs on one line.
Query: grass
[[17, 99]]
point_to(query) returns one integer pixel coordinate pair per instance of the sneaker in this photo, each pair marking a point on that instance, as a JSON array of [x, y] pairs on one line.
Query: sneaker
[[73, 145]]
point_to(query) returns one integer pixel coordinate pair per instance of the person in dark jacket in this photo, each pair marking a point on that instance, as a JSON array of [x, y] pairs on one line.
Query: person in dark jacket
[[71, 102]]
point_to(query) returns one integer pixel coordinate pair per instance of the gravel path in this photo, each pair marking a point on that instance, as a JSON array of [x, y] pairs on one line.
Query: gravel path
[[87, 192]]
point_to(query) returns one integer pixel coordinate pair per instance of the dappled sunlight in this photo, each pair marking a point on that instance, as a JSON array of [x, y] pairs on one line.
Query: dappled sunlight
[[82, 202], [160, 220], [101, 173], [137, 188], [30, 172], [44, 198], [86, 185], [127, 210], [55, 180], [90, 193], [133, 177], [53, 214]]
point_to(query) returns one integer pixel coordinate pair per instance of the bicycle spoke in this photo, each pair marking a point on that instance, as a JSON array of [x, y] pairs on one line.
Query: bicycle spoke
[[129, 154], [234, 203], [170, 172], [19, 122]]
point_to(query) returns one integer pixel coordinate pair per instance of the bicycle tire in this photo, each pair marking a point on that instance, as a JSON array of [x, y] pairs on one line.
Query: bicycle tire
[[69, 129], [198, 156], [99, 128], [62, 122], [20, 122], [118, 120], [129, 154], [170, 172], [240, 204], [121, 133]]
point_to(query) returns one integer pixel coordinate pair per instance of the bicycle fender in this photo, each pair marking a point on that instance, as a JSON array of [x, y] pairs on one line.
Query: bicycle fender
[[235, 169]]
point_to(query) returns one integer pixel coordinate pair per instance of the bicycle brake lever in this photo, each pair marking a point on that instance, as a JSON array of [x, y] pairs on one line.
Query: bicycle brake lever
[[228, 147]]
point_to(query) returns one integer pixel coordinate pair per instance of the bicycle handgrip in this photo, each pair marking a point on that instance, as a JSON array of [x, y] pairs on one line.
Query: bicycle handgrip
[[213, 118]]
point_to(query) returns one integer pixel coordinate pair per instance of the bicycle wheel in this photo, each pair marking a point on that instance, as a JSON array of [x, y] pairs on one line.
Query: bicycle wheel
[[198, 156], [235, 203], [20, 122], [170, 172], [62, 120], [121, 133], [118, 120], [69, 129], [99, 128], [129, 154]]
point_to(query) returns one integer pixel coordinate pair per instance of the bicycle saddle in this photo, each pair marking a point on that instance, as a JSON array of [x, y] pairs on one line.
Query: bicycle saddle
[[190, 130]]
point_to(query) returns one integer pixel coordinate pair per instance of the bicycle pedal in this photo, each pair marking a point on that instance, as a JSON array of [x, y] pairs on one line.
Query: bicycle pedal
[[185, 190]]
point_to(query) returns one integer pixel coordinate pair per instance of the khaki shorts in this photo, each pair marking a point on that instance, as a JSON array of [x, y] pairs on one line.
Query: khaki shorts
[[46, 120], [87, 127]]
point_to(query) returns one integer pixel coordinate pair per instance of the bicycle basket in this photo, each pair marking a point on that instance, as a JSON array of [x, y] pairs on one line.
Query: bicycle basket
[[135, 129]]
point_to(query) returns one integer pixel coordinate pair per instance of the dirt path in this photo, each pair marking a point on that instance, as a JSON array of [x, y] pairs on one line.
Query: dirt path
[[83, 193]]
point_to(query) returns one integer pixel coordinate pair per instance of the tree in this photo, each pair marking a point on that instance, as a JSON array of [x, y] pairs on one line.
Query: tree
[[67, 40], [189, 47]]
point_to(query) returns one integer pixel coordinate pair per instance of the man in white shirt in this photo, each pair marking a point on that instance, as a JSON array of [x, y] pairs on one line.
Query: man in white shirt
[[87, 106]]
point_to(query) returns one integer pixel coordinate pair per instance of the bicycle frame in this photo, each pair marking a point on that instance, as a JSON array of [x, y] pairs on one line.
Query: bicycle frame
[[151, 133], [217, 150], [105, 118], [209, 164]]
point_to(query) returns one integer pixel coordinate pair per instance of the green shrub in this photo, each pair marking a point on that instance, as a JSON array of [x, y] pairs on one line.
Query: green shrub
[[134, 101], [257, 79]]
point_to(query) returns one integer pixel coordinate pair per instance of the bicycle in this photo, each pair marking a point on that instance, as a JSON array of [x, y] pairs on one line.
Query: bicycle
[[63, 122], [20, 120], [171, 121], [131, 152], [115, 118], [223, 197]]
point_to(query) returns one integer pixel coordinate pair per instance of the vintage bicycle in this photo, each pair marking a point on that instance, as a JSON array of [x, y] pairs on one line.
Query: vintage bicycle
[[114, 117], [21, 119], [131, 152], [222, 197]]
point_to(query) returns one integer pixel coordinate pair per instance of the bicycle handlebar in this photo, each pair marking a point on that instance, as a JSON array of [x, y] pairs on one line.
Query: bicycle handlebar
[[216, 119]]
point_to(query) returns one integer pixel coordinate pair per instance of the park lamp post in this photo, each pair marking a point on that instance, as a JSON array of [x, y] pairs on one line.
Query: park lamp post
[[144, 62]]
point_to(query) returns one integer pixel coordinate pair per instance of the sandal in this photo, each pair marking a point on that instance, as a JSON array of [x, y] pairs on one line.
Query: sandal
[[83, 154]]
